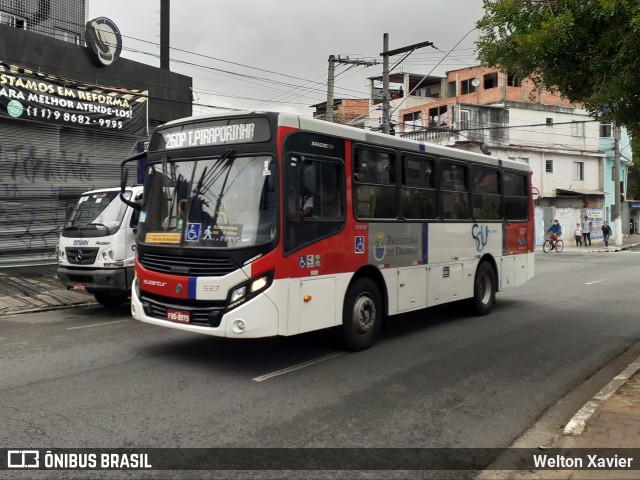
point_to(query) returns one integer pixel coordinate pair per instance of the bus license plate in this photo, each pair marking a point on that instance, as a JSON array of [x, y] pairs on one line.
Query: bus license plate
[[179, 316], [79, 287]]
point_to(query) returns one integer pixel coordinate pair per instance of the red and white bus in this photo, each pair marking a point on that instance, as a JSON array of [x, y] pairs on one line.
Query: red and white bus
[[265, 224]]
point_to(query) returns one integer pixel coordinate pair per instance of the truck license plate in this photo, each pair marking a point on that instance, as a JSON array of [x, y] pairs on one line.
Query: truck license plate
[[79, 287], [179, 316]]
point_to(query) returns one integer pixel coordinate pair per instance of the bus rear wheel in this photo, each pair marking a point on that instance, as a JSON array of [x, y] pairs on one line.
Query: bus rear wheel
[[484, 289], [362, 315]]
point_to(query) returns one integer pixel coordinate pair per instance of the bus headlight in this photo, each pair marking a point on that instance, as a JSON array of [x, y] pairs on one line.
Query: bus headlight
[[250, 289], [238, 294], [259, 284]]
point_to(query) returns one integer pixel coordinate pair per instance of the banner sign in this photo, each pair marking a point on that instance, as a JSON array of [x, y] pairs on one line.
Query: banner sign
[[30, 95]]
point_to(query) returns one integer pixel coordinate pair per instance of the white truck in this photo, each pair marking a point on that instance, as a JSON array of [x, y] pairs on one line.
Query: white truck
[[97, 245]]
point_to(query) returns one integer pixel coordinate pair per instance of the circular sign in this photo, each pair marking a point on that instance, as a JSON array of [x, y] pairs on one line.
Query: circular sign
[[535, 193], [15, 108], [104, 38]]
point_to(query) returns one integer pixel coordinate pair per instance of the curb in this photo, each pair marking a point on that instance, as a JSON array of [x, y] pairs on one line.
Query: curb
[[577, 424], [47, 308]]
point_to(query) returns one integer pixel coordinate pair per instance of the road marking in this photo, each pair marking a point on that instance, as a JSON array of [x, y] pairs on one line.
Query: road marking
[[296, 367], [96, 325], [596, 281]]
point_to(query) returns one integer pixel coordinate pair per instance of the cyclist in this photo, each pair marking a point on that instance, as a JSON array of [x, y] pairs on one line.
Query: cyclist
[[555, 230]]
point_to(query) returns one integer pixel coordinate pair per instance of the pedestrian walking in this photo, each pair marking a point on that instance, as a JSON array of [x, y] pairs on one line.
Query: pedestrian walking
[[606, 233], [586, 231], [577, 233]]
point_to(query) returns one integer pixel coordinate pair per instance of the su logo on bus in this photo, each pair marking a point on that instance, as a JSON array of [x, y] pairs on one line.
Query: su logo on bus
[[480, 235]]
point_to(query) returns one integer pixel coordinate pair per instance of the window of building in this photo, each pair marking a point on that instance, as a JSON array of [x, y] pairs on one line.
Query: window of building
[[66, 36], [412, 121], [454, 192], [549, 122], [513, 80], [577, 129], [418, 187], [13, 20], [606, 130], [465, 119], [523, 159], [549, 166], [466, 86], [491, 80], [374, 179], [578, 170]]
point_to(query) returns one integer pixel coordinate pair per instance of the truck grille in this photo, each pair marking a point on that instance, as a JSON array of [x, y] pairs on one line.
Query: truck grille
[[192, 266], [81, 256]]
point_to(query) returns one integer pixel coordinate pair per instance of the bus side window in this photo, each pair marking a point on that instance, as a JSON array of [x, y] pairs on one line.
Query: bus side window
[[516, 196], [418, 188], [453, 191], [375, 184], [486, 195]]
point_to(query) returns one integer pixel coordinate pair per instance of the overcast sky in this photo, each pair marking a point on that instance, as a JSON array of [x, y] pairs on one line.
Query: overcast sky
[[272, 54]]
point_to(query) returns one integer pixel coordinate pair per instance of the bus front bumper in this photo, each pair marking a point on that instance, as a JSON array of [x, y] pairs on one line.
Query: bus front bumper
[[257, 318]]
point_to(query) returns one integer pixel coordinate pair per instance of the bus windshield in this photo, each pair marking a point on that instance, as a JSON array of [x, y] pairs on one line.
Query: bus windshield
[[223, 202], [102, 211]]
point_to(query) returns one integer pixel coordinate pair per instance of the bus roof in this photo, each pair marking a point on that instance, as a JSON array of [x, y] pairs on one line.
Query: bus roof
[[359, 135]]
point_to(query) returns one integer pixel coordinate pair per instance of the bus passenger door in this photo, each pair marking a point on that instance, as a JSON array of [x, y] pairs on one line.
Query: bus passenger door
[[411, 288], [317, 304]]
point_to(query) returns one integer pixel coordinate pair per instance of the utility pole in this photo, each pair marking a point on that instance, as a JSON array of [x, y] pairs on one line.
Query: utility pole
[[330, 115], [617, 207], [331, 82], [386, 53], [164, 34]]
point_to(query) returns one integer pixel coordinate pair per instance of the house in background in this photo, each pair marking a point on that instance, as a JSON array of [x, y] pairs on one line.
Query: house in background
[[570, 153]]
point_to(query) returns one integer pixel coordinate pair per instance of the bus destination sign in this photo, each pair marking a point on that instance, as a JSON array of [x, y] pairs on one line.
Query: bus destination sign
[[250, 130]]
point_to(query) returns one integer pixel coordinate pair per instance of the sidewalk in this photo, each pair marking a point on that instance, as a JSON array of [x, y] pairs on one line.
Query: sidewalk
[[34, 289]]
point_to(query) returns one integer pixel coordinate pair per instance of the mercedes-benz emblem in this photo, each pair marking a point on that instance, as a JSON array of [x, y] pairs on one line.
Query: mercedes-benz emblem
[[179, 288], [79, 256]]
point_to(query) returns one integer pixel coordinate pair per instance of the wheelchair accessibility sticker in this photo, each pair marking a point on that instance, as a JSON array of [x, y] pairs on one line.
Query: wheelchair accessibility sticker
[[193, 232], [310, 261], [359, 245]]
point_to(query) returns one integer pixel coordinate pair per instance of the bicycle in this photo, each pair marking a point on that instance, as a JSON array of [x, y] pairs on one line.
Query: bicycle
[[558, 247]]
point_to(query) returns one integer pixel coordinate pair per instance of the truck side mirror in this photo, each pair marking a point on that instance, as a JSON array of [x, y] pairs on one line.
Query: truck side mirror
[[124, 176]]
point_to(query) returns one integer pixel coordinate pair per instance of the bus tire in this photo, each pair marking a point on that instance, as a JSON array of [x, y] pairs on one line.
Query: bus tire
[[484, 289], [108, 300], [361, 315]]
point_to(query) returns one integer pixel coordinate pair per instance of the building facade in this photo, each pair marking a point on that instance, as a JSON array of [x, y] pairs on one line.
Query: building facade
[[66, 120], [570, 153]]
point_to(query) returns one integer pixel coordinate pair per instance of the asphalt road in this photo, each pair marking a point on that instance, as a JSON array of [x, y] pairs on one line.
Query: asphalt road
[[438, 378]]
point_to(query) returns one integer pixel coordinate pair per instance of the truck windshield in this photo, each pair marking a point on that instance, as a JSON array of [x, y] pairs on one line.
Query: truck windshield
[[102, 211], [224, 202]]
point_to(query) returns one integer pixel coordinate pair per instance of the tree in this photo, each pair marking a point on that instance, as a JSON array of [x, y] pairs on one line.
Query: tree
[[585, 49]]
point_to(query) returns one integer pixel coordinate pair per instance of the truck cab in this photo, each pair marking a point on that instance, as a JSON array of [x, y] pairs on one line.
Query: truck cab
[[97, 245]]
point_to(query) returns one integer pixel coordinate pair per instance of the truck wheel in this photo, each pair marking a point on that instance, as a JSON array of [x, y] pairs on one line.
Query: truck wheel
[[484, 289], [361, 315], [108, 300]]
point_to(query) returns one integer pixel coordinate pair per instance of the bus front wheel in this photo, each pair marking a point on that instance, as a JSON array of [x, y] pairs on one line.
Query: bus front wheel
[[362, 315], [484, 289]]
